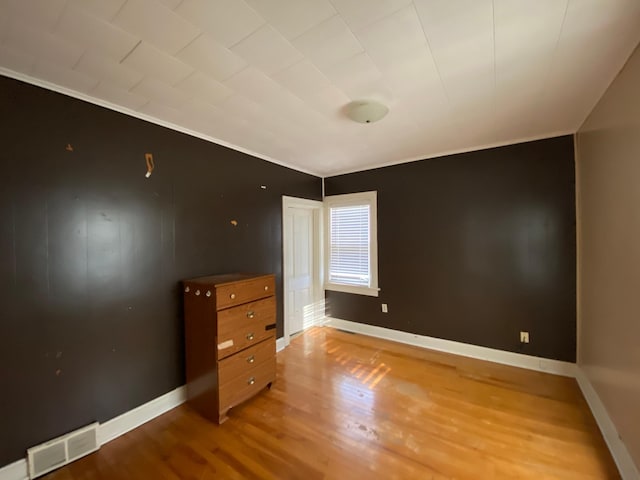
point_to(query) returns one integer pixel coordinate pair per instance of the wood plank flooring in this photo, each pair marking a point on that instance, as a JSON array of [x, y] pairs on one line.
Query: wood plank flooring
[[348, 406]]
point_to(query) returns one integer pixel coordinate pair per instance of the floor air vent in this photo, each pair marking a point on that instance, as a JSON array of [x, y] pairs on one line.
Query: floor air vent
[[62, 450]]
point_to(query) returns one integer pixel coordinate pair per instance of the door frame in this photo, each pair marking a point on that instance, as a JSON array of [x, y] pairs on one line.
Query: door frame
[[316, 207]]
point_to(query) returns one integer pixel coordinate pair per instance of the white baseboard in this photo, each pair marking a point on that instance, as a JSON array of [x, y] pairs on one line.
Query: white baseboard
[[126, 422], [134, 418], [113, 428], [557, 367], [618, 449], [15, 471]]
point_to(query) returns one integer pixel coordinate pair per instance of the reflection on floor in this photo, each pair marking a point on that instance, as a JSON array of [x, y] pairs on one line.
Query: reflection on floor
[[348, 406]]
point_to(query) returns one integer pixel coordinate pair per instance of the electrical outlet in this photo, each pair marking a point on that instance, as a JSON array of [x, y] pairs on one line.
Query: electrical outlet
[[385, 309], [524, 337]]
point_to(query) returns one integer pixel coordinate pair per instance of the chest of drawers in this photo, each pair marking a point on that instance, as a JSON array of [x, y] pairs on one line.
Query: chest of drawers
[[230, 340]]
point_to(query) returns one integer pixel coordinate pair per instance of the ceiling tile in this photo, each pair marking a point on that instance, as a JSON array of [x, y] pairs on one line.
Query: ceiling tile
[[156, 24], [393, 39], [77, 25], [200, 126], [64, 77], [302, 78], [118, 96], [239, 107], [170, 3], [228, 21], [373, 89], [359, 14], [154, 63], [460, 36], [294, 17], [204, 88], [315, 124], [162, 112], [268, 50], [328, 43], [414, 75], [161, 93], [209, 56], [349, 75], [16, 61], [40, 14], [455, 75], [104, 9], [329, 101], [524, 28], [257, 86], [581, 75], [299, 118], [108, 71], [232, 132], [202, 112], [526, 35], [41, 45]]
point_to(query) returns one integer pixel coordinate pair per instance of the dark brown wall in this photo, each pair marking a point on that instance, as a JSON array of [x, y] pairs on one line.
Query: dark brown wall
[[474, 248], [91, 254]]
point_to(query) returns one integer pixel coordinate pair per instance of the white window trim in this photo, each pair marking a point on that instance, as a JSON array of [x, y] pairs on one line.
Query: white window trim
[[371, 199]]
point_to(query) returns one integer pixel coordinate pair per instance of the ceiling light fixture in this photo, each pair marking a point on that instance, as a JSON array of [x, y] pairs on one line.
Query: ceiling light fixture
[[366, 111]]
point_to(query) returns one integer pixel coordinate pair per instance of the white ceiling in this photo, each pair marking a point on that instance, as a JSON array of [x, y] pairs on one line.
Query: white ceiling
[[272, 77]]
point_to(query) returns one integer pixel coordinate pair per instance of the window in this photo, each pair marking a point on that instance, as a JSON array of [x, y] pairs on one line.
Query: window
[[352, 243]]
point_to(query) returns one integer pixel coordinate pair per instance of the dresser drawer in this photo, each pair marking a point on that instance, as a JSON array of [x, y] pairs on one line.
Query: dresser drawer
[[247, 384], [245, 291], [245, 325], [242, 362]]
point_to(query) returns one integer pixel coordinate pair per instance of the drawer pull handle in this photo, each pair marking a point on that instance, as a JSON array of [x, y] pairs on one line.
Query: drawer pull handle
[[251, 314], [186, 289], [232, 296], [266, 288], [251, 381], [250, 336], [197, 292], [251, 359], [208, 294]]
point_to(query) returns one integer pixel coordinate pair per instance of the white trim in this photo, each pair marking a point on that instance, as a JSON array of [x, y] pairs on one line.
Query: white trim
[[618, 449], [446, 153], [134, 418], [557, 367], [114, 428], [369, 198], [337, 287], [619, 452], [318, 292], [143, 116], [15, 471], [142, 414]]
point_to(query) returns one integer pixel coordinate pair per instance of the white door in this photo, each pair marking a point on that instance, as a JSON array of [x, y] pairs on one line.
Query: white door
[[301, 264]]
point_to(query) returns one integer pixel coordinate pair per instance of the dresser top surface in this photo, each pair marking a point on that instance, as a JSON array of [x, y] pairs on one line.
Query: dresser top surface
[[226, 278]]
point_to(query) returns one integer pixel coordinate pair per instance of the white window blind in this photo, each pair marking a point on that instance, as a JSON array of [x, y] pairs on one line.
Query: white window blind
[[350, 253]]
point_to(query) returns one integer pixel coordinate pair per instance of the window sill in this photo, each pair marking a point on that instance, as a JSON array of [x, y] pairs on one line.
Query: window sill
[[334, 287]]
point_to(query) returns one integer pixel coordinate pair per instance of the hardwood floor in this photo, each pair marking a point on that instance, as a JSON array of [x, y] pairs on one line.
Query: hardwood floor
[[348, 406]]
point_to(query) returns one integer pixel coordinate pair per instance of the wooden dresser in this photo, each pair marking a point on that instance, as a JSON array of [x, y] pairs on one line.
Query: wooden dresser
[[230, 340]]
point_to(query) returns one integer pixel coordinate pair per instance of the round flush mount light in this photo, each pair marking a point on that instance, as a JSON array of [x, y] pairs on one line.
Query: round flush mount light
[[366, 111]]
